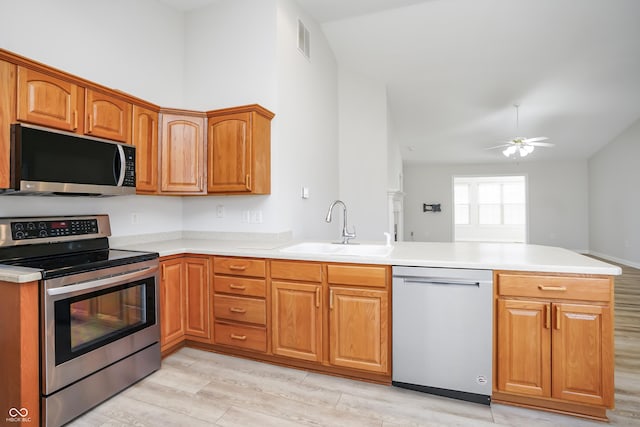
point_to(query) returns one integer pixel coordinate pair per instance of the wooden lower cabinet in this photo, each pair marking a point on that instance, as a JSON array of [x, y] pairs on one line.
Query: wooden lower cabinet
[[297, 320], [197, 299], [524, 343], [185, 310], [582, 354], [172, 302], [240, 303], [359, 328], [556, 351]]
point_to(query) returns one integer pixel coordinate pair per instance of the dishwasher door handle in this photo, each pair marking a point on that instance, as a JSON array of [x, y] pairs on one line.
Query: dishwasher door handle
[[425, 281]]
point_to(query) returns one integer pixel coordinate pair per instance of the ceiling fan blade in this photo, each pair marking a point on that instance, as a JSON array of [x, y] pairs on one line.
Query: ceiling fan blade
[[539, 138], [498, 146], [541, 144]]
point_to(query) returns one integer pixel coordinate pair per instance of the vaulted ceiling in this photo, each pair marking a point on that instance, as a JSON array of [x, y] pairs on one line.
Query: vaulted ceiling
[[453, 70]]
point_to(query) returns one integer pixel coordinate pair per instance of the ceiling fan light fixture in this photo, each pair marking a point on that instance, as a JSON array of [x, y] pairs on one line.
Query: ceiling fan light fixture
[[529, 148], [509, 151], [523, 151]]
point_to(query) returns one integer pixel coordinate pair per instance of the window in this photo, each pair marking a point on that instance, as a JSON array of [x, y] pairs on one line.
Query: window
[[490, 209]]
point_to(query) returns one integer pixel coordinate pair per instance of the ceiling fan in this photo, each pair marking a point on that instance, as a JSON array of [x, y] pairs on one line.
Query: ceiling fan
[[520, 145]]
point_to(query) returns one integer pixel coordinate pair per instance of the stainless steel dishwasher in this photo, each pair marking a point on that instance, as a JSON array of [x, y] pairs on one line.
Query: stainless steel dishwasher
[[442, 331]]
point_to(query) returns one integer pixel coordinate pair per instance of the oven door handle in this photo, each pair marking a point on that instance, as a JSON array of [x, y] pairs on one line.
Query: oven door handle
[[102, 283]]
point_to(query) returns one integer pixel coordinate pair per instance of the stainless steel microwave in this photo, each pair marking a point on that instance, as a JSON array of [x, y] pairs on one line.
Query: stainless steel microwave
[[48, 162]]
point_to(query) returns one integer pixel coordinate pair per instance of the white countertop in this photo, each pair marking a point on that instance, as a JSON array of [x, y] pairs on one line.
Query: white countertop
[[485, 256]]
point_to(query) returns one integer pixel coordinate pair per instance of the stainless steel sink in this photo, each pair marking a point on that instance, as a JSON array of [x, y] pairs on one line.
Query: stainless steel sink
[[322, 248]]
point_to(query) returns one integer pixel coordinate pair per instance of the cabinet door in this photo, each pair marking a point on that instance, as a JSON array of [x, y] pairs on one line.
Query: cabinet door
[[7, 116], [182, 152], [107, 117], [229, 153], [197, 297], [297, 320], [171, 302], [359, 329], [582, 354], [144, 136], [47, 101], [524, 347]]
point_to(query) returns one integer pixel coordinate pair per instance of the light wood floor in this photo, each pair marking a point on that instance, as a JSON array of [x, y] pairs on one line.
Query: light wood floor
[[197, 388]]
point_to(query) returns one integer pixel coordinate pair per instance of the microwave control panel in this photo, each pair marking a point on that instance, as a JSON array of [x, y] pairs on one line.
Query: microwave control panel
[[130, 167], [44, 229]]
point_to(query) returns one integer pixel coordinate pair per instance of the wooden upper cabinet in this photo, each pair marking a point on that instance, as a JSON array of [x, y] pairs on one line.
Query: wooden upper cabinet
[[7, 116], [144, 136], [239, 150], [182, 153], [48, 101], [107, 116]]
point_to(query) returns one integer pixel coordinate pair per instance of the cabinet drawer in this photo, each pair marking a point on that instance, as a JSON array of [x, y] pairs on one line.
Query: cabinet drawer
[[555, 287], [292, 270], [241, 309], [360, 275], [247, 337], [240, 286], [239, 266]]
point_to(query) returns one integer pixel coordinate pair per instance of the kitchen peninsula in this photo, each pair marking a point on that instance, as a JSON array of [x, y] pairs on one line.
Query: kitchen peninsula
[[251, 298]]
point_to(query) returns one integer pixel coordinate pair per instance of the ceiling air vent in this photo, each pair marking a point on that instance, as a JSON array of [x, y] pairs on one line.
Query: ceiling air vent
[[304, 42]]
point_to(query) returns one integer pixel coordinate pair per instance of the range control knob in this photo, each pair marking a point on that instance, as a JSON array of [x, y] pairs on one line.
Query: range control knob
[[19, 235], [43, 233]]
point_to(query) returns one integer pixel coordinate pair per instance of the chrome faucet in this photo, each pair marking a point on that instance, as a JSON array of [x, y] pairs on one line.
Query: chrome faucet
[[346, 235]]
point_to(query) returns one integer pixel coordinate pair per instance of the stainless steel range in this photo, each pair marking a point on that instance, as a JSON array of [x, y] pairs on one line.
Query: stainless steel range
[[99, 327]]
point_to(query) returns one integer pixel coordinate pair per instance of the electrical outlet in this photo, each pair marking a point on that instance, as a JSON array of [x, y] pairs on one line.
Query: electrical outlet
[[135, 218], [246, 217], [220, 211], [256, 217]]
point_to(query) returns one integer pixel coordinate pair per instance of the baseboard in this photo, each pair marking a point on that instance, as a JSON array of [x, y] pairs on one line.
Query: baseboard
[[615, 259]]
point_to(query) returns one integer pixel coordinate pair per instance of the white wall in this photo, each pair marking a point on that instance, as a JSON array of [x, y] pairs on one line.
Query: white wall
[[242, 52], [133, 45], [557, 197], [614, 202], [363, 153]]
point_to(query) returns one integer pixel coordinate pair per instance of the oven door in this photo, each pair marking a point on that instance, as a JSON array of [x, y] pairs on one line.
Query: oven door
[[93, 319]]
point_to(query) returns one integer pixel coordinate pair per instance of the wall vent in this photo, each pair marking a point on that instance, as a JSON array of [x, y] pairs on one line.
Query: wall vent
[[304, 40]]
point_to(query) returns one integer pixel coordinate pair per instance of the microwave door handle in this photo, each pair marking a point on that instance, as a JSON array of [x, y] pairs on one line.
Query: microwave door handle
[[119, 166]]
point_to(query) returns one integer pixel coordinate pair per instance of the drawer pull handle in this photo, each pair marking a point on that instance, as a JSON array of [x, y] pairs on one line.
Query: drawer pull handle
[[239, 287], [238, 337], [237, 310], [552, 288], [237, 267]]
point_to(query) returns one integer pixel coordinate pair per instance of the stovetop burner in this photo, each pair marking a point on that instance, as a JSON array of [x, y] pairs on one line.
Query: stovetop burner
[[60, 246], [64, 265]]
